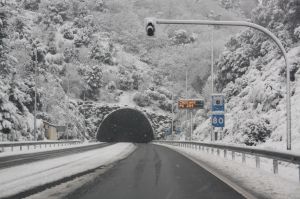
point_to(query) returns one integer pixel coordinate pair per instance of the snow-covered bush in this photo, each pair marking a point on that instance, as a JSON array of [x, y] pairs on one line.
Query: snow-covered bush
[[279, 16], [79, 8], [157, 78], [4, 66], [103, 51], [84, 22], [125, 81], [231, 90], [67, 32], [154, 95], [82, 37], [54, 59], [99, 5], [70, 53], [137, 79], [142, 99], [165, 105], [255, 131], [231, 66], [31, 4], [297, 33], [230, 4], [181, 37], [94, 77], [59, 11], [165, 92], [111, 86], [42, 50]]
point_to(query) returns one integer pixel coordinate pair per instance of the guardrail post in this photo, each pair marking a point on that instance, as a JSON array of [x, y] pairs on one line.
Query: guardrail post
[[207, 149], [299, 172], [243, 157], [275, 166], [257, 160], [20, 147], [218, 152], [27, 147], [225, 153], [212, 150], [12, 148], [233, 155]]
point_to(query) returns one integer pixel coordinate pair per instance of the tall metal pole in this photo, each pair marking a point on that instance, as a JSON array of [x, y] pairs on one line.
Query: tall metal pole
[[35, 95], [186, 96], [267, 32], [212, 79], [212, 61], [191, 125], [172, 125], [67, 106], [84, 113]]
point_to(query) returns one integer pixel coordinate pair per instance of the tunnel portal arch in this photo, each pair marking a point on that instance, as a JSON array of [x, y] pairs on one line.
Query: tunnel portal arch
[[125, 125]]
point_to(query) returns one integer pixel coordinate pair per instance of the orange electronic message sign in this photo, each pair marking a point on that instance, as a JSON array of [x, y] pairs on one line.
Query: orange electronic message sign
[[190, 104]]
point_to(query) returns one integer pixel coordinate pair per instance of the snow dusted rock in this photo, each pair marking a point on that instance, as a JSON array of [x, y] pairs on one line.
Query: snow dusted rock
[[96, 114]]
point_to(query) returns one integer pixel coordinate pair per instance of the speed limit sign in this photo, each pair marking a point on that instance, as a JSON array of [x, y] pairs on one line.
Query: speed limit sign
[[218, 120]]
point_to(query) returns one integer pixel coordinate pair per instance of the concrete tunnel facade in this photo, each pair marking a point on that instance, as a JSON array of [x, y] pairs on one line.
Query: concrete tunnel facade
[[125, 125]]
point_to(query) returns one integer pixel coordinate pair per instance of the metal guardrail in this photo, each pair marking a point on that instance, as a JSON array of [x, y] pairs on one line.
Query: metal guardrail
[[276, 156], [12, 145]]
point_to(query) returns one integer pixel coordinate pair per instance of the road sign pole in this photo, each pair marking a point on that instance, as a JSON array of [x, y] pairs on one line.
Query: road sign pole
[[212, 74], [262, 29], [186, 96], [35, 94], [190, 138], [172, 125]]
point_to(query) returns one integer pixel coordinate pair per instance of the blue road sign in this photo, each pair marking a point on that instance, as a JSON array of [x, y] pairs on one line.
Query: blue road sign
[[218, 101], [218, 120], [167, 131], [178, 131]]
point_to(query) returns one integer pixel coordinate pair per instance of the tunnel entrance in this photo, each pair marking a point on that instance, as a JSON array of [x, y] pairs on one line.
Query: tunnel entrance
[[125, 125]]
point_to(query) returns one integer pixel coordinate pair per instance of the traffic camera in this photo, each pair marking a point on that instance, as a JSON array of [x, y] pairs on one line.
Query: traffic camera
[[150, 26]]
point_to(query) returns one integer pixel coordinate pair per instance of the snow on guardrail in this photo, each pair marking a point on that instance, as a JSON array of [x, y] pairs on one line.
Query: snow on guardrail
[[276, 156]]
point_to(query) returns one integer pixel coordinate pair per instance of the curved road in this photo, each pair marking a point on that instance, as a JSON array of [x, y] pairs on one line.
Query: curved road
[[14, 160], [156, 172]]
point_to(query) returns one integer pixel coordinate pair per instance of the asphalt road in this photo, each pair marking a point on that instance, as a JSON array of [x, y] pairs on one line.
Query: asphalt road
[[15, 160], [156, 172]]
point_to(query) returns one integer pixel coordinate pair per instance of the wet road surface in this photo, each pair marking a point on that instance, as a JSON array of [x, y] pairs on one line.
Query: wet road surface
[[156, 172]]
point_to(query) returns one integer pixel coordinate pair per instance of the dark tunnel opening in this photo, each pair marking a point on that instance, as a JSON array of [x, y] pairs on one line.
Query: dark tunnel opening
[[125, 125]]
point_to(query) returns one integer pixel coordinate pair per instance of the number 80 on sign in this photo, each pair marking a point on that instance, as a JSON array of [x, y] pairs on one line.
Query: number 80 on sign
[[218, 120]]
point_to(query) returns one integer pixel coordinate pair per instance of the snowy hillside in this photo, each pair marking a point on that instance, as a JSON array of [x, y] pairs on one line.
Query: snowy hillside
[[97, 51], [252, 74]]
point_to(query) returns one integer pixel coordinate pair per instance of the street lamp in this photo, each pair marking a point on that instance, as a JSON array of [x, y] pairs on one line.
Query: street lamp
[[239, 24]]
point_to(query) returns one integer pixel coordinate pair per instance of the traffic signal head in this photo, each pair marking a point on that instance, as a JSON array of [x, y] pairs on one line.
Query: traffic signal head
[[150, 26]]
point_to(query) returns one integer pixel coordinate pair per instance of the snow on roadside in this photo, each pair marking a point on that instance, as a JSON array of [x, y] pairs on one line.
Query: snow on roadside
[[24, 177], [7, 150], [264, 184]]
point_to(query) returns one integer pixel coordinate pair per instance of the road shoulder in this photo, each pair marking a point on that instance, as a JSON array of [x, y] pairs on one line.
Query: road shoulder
[[250, 182]]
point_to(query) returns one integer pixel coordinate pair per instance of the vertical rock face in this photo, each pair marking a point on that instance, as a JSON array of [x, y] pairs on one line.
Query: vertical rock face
[[125, 125]]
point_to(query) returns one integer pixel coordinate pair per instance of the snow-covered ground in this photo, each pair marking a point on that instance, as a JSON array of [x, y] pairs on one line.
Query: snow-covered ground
[[24, 177], [260, 182], [39, 148]]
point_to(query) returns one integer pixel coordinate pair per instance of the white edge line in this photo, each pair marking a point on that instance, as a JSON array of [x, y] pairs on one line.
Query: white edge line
[[224, 179]]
